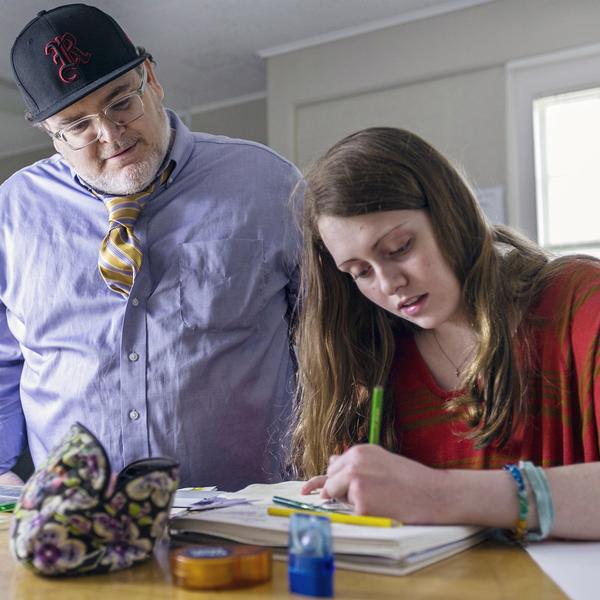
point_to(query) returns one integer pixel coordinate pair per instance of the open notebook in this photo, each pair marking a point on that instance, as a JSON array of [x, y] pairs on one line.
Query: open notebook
[[390, 550]]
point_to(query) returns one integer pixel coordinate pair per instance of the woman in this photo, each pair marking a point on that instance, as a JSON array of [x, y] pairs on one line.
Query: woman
[[489, 351]]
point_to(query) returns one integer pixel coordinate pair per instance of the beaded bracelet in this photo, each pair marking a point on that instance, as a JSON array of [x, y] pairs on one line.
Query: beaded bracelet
[[520, 529], [543, 499]]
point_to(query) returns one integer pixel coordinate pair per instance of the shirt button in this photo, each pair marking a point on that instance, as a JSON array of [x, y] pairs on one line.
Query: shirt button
[[133, 356], [135, 302], [134, 415]]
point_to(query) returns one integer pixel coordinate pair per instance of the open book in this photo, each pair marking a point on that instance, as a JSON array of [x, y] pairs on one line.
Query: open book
[[390, 550]]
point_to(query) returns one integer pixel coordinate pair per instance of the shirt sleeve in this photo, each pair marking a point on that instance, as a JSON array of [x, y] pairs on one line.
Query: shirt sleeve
[[293, 238], [585, 344], [12, 421]]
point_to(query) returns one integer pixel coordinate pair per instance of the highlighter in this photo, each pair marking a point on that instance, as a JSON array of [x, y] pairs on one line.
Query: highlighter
[[376, 409]]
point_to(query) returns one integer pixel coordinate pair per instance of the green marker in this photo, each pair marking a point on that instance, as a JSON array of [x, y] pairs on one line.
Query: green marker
[[376, 408], [8, 507]]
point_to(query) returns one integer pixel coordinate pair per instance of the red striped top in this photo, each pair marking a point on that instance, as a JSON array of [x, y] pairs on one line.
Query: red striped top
[[564, 390]]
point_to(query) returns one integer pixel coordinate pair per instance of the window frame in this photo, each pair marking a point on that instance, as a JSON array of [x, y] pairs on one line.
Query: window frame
[[527, 80], [542, 177]]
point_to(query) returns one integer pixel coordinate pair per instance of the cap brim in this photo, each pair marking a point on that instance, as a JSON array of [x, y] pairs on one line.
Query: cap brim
[[88, 89]]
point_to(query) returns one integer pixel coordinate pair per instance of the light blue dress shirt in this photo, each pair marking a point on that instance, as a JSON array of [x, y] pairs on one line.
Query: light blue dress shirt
[[196, 363]]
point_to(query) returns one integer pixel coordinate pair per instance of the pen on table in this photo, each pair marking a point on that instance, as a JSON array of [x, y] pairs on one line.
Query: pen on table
[[276, 511], [376, 408], [8, 507]]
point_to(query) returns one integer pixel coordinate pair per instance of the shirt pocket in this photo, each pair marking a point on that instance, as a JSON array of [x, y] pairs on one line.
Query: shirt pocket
[[221, 284]]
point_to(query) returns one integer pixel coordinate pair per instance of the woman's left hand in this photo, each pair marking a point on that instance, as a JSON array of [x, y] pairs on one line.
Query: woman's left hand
[[378, 482], [314, 483]]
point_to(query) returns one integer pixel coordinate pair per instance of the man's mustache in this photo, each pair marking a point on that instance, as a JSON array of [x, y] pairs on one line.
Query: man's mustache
[[118, 147]]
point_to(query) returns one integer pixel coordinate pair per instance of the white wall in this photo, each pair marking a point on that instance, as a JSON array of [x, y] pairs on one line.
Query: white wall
[[247, 120], [11, 164], [446, 110], [443, 77]]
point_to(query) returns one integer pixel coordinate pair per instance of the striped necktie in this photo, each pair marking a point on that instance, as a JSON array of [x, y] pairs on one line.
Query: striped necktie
[[121, 256]]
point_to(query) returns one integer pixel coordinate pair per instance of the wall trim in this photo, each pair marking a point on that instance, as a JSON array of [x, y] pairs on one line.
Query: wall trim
[[554, 57], [202, 108], [348, 32], [27, 149]]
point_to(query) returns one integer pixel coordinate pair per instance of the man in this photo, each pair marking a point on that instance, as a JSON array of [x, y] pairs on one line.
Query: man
[[146, 272]]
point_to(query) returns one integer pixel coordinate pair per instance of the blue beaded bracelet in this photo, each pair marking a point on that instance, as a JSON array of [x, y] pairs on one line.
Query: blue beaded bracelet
[[520, 529], [543, 499]]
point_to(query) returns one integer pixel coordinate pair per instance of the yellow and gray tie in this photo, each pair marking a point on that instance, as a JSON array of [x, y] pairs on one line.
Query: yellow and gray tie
[[120, 257]]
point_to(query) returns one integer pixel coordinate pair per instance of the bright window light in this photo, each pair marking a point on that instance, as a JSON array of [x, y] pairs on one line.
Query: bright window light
[[567, 161]]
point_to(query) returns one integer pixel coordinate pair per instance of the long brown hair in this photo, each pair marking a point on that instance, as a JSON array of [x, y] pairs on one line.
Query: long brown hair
[[346, 343]]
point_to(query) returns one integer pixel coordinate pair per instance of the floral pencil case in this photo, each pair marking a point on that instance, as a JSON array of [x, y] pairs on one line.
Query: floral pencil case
[[74, 518]]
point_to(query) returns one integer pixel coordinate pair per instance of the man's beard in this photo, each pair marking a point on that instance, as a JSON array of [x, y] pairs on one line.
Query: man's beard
[[135, 177]]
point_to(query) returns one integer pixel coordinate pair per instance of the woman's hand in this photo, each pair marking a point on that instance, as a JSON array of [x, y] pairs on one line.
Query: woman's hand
[[314, 483], [378, 482]]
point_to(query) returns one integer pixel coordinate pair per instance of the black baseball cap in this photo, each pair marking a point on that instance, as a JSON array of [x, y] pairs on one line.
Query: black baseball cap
[[65, 54]]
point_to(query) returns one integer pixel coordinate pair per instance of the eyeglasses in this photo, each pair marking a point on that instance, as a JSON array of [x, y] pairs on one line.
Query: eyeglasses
[[87, 130]]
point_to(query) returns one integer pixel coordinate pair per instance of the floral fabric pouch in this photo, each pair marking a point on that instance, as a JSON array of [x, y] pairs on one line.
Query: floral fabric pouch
[[74, 518]]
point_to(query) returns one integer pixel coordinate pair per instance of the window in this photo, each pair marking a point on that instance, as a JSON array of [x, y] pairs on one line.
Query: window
[[566, 129], [553, 144]]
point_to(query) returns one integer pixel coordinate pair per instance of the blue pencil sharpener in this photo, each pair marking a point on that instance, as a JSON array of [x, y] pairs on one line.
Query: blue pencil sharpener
[[310, 559]]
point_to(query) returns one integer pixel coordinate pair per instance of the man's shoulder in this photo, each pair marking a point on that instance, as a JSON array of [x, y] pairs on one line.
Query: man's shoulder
[[253, 151], [42, 170]]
